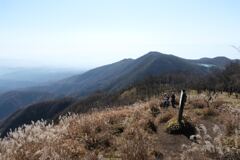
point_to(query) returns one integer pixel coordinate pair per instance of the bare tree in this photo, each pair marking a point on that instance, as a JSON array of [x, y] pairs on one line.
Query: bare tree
[[236, 48]]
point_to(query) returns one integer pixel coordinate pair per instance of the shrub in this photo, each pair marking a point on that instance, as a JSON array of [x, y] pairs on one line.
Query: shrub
[[117, 129], [232, 142], [206, 112], [231, 156], [231, 125], [199, 103], [216, 147], [154, 102], [100, 141], [148, 125], [158, 155], [154, 111], [134, 148], [198, 112], [151, 127], [217, 104], [165, 117], [91, 156]]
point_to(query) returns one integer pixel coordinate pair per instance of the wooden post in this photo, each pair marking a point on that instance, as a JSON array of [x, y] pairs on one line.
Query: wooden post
[[183, 99]]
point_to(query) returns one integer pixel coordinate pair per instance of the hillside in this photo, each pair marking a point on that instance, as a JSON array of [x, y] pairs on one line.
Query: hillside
[[152, 86], [121, 74], [50, 110], [14, 100], [47, 110], [135, 132], [8, 85], [109, 79]]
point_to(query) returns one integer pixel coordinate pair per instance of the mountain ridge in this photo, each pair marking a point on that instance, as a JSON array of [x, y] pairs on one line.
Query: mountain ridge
[[108, 78], [126, 71]]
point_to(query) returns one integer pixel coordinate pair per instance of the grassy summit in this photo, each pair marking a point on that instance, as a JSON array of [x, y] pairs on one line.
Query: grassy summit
[[135, 132]]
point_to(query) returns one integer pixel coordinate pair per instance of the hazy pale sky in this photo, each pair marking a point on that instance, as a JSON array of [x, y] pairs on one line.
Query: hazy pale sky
[[89, 33]]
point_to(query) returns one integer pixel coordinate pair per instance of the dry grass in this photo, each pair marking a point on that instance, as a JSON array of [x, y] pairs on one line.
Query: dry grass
[[165, 117], [129, 132], [199, 103], [231, 126], [217, 104], [206, 113], [134, 146]]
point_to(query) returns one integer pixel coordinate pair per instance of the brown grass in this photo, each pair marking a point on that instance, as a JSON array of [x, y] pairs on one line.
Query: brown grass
[[231, 126], [165, 117], [199, 103], [217, 104], [206, 112], [134, 146], [128, 132]]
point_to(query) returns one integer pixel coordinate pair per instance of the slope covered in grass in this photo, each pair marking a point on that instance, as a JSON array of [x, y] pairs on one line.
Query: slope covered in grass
[[135, 132]]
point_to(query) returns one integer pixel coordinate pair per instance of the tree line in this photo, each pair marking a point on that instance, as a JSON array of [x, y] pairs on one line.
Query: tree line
[[226, 80]]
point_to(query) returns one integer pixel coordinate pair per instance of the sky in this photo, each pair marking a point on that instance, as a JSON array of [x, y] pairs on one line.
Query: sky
[[91, 33]]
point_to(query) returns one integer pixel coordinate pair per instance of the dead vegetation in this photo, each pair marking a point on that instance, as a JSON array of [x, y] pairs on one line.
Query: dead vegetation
[[136, 132], [163, 118], [199, 103]]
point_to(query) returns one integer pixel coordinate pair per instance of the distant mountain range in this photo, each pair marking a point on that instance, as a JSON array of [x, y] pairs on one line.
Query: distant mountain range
[[219, 62], [9, 85], [12, 78], [123, 73], [109, 79]]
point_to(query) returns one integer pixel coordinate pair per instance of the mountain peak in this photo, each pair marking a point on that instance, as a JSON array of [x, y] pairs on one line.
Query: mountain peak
[[153, 53]]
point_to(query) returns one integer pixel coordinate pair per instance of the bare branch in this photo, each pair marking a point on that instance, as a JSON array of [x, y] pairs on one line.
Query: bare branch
[[236, 48]]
